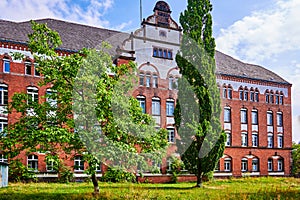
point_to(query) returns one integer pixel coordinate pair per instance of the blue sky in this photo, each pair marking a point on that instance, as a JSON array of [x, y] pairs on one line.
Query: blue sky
[[263, 32]]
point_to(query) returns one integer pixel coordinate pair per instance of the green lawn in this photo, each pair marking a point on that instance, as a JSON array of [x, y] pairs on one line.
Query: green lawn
[[244, 188]]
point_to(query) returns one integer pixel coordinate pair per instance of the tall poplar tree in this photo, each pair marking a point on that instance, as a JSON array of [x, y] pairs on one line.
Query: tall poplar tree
[[197, 113]]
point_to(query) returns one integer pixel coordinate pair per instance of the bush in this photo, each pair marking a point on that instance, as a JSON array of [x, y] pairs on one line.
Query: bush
[[117, 175], [18, 172]]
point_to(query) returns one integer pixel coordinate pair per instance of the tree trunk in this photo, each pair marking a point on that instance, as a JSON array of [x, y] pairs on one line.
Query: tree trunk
[[95, 183], [199, 174]]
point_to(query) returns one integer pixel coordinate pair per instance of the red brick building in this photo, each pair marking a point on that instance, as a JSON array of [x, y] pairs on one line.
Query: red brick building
[[256, 102]]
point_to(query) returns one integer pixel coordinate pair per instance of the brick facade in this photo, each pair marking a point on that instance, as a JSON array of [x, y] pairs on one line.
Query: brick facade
[[267, 147]]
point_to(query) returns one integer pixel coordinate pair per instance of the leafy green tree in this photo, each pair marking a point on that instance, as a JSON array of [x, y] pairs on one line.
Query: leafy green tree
[[197, 113], [89, 87], [296, 160]]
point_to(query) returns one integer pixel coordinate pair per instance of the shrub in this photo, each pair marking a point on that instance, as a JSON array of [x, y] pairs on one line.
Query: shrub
[[117, 175], [18, 172]]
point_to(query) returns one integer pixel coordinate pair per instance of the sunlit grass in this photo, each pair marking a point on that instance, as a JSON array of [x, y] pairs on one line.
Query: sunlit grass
[[244, 188]]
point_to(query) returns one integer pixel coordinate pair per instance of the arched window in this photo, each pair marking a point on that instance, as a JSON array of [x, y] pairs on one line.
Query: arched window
[[229, 90], [280, 165], [227, 115], [255, 165], [142, 101], [141, 79], [171, 83], [154, 81], [228, 139], [148, 80], [270, 164], [252, 94], [224, 91], [246, 93], [271, 96], [267, 94], [244, 165], [256, 95], [170, 107], [155, 106], [281, 98], [227, 164], [241, 93]]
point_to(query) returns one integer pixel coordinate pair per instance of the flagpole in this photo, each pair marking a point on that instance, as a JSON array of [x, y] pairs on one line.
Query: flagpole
[[141, 11]]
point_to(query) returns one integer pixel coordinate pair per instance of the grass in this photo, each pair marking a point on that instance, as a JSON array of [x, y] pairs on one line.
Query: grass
[[244, 188]]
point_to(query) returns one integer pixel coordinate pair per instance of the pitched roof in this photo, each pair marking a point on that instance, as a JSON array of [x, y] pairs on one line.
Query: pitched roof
[[77, 36]]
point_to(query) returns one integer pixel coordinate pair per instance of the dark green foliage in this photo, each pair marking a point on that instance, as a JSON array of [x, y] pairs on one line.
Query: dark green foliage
[[296, 160], [197, 113], [17, 172]]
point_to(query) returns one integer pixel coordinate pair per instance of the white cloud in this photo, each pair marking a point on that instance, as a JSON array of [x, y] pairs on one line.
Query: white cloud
[[90, 12], [264, 33]]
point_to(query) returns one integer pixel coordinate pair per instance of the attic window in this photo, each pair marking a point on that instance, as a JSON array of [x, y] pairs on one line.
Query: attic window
[[244, 74], [271, 78], [162, 33]]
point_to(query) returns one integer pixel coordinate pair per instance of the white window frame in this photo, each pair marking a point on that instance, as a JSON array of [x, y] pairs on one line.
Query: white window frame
[[32, 162], [270, 118], [141, 79], [280, 141], [6, 62], [270, 140], [155, 81], [228, 139], [34, 93], [3, 158], [171, 134], [244, 165], [255, 165], [148, 80], [227, 165], [254, 140], [27, 65], [279, 120], [170, 107], [270, 165], [227, 115], [254, 117], [156, 106], [280, 165], [244, 117], [36, 73], [78, 164], [3, 94], [244, 136], [229, 91], [142, 101]]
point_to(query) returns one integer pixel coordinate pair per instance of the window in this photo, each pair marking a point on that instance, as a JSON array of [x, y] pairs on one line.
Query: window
[[255, 165], [148, 80], [269, 118], [281, 99], [270, 140], [270, 165], [155, 106], [244, 165], [276, 98], [32, 94], [267, 97], [227, 165], [155, 52], [229, 93], [227, 115], [280, 165], [171, 82], [165, 55], [271, 97], [27, 68], [241, 94], [36, 71], [280, 141], [50, 99], [160, 53], [98, 167], [170, 108], [78, 163], [3, 124], [6, 65], [244, 139], [50, 166], [171, 135], [163, 33], [3, 158], [254, 140], [251, 95], [154, 81], [228, 139], [170, 54], [32, 162], [142, 102], [254, 117], [244, 116], [279, 119], [224, 92], [3, 94], [256, 96], [246, 95], [141, 77]]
